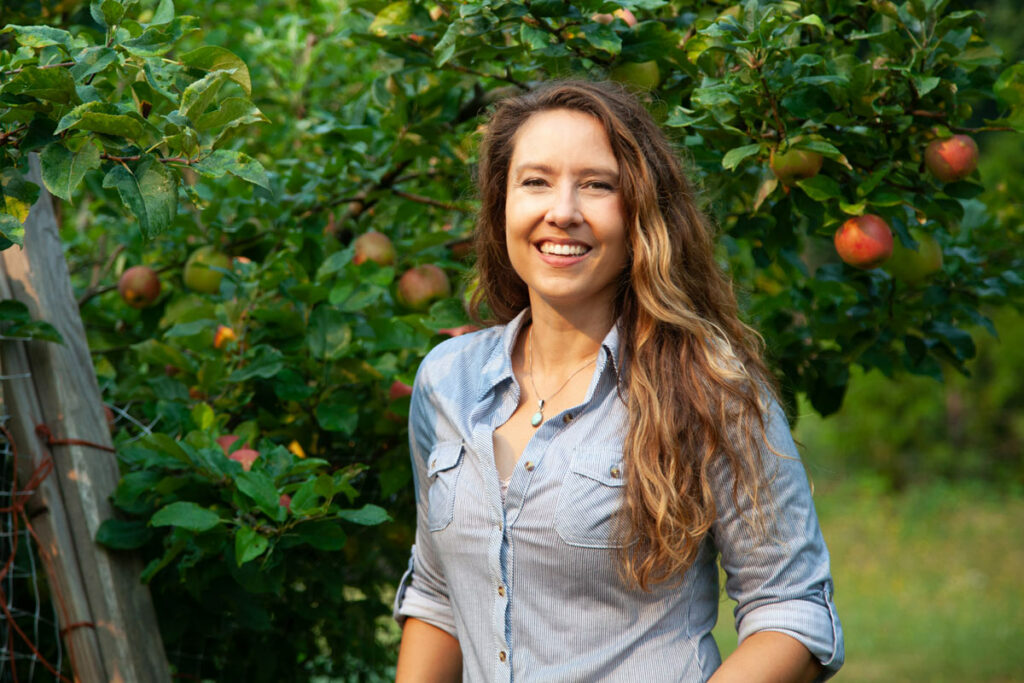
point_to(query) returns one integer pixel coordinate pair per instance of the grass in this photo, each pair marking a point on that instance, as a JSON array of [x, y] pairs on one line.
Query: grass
[[928, 582]]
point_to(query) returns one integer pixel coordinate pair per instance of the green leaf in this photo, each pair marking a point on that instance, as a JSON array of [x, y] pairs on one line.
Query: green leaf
[[100, 117], [337, 415], [63, 169], [107, 13], [123, 534], [233, 111], [734, 156], [164, 13], [40, 36], [52, 85], [399, 18], [199, 95], [203, 417], [305, 500], [150, 191], [214, 58], [159, 40], [445, 48], [328, 336], [237, 164], [12, 231], [1009, 88], [322, 534], [261, 489], [813, 20], [820, 188], [604, 38], [91, 61], [186, 515], [368, 515], [249, 544], [262, 361]]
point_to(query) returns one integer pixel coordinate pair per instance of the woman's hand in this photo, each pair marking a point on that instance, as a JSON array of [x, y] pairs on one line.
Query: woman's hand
[[768, 657], [428, 655]]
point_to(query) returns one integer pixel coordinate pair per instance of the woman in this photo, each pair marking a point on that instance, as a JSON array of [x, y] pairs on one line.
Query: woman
[[580, 465]]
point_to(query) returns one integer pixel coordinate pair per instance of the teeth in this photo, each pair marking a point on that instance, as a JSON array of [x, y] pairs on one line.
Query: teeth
[[563, 249]]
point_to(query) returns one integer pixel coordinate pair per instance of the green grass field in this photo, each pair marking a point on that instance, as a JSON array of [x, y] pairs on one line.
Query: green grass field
[[928, 582]]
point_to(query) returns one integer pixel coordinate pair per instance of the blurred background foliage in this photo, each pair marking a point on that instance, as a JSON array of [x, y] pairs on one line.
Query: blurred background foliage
[[372, 110]]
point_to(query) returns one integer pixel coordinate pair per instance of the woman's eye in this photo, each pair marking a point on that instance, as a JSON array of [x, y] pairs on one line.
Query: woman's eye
[[533, 182], [600, 185]]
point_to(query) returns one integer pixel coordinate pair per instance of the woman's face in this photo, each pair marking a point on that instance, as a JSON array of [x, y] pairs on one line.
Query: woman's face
[[565, 223]]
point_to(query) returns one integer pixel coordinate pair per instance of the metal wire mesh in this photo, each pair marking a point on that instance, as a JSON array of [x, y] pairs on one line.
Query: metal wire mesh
[[24, 591]]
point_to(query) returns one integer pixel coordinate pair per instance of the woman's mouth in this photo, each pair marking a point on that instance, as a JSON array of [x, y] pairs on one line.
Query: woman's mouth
[[558, 249]]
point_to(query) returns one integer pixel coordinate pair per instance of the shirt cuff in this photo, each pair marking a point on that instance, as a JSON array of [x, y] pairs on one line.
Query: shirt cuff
[[410, 602], [811, 621]]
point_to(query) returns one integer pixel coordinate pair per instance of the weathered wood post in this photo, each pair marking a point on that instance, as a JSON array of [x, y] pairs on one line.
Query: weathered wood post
[[60, 391]]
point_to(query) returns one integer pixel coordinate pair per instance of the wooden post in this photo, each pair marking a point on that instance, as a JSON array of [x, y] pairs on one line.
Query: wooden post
[[96, 586]]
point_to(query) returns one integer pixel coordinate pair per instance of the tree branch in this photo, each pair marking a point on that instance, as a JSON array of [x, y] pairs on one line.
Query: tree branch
[[430, 201]]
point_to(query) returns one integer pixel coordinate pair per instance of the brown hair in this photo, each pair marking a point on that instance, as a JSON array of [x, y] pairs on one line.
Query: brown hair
[[679, 319]]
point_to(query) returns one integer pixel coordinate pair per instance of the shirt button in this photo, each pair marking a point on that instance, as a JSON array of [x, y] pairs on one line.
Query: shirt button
[[529, 466], [502, 656], [501, 591], [615, 472], [567, 418]]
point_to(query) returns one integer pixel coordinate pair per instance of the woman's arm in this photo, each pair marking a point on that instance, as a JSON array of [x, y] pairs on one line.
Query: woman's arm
[[768, 657], [428, 655]]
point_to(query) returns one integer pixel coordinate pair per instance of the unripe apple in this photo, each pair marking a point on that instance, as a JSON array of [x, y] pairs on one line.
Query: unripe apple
[[864, 241], [914, 266], [643, 75], [951, 159], [622, 13], [373, 246], [421, 286], [139, 286], [200, 269], [795, 164]]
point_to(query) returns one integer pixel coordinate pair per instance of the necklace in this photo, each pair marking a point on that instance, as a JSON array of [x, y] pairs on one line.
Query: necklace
[[538, 417]]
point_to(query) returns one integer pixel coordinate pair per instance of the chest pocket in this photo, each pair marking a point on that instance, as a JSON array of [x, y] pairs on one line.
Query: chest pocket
[[443, 467], [591, 499]]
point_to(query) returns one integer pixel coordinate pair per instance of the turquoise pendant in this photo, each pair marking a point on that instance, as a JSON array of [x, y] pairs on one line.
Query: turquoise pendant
[[538, 417]]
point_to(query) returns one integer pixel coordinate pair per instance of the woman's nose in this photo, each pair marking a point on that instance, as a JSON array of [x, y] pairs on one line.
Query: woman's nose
[[565, 208]]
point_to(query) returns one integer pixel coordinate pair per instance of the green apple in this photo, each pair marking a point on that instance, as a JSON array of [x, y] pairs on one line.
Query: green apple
[[795, 164], [643, 75], [914, 266], [201, 269]]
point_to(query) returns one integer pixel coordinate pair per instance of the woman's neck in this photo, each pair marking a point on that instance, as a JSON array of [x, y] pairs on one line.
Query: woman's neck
[[561, 341]]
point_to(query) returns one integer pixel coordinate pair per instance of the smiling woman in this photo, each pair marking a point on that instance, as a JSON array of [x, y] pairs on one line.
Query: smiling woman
[[570, 522]]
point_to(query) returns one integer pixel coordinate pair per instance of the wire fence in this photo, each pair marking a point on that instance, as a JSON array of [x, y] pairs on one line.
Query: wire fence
[[30, 642]]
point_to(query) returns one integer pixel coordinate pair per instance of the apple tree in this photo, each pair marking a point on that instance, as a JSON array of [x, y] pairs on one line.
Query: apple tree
[[275, 135]]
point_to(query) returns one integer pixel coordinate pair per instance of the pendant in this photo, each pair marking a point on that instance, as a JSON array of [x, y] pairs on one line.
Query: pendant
[[538, 417]]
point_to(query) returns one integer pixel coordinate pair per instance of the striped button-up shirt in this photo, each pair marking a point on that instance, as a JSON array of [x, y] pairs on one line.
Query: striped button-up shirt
[[530, 586]]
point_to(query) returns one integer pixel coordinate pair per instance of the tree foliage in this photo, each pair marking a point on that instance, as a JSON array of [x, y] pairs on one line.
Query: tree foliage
[[278, 131]]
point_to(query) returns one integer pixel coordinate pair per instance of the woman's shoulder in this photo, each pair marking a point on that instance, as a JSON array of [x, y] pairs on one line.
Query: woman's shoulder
[[462, 352]]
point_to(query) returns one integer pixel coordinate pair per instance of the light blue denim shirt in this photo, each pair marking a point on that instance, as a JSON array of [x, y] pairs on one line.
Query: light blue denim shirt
[[530, 587]]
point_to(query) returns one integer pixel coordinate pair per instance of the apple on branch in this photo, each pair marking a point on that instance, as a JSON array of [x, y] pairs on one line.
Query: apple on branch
[[421, 286], [864, 242], [139, 286], [373, 246], [795, 164], [915, 266], [205, 268], [951, 159]]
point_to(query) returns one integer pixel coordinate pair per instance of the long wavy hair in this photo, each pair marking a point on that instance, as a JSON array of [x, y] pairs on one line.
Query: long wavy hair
[[693, 380]]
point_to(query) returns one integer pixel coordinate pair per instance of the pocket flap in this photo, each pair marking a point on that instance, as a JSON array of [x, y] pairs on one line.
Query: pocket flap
[[444, 457], [605, 466]]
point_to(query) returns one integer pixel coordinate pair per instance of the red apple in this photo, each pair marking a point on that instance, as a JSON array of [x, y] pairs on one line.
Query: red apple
[[399, 390], [139, 286], [460, 330], [421, 286], [622, 13], [795, 164], [285, 501], [246, 456], [951, 159], [914, 266], [374, 246], [226, 441], [864, 241]]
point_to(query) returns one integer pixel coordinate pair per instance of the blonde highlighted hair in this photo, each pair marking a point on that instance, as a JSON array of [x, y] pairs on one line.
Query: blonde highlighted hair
[[694, 383]]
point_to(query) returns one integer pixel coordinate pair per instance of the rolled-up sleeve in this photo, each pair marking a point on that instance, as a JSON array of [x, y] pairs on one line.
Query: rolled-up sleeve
[[780, 579], [423, 591]]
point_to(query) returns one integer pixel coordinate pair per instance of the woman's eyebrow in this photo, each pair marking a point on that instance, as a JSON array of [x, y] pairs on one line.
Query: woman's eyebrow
[[602, 171]]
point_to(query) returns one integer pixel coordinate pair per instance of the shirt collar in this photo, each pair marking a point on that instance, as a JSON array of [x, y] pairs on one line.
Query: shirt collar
[[498, 367]]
